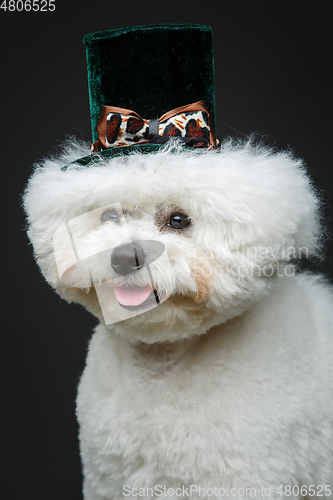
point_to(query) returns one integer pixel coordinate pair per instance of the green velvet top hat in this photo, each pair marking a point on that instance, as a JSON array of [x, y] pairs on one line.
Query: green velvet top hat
[[148, 84]]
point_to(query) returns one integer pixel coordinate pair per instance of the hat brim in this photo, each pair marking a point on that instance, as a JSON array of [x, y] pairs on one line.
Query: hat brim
[[100, 157]]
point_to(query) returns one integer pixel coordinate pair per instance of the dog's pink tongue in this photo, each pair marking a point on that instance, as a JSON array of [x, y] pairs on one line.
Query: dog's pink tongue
[[132, 295]]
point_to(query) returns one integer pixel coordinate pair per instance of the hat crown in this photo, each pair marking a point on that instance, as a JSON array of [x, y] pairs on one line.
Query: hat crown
[[150, 69]]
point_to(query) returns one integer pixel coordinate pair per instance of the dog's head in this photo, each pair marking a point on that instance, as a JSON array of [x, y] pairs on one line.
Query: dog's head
[[165, 245]]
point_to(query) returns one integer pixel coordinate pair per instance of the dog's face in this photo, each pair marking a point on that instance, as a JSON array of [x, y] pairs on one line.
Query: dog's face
[[166, 245]]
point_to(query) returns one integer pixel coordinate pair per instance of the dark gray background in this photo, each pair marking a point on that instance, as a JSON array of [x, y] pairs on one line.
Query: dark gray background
[[272, 62]]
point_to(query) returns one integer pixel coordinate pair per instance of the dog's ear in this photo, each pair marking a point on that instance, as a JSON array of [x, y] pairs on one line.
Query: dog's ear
[[290, 207], [48, 200], [267, 200]]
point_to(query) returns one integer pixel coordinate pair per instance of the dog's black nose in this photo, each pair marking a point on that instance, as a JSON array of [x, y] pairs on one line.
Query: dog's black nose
[[127, 259]]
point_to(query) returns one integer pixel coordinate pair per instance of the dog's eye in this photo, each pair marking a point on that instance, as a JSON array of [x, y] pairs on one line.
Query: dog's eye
[[179, 221], [110, 215]]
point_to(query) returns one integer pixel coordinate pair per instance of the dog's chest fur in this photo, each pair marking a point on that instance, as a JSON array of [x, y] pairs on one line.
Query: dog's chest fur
[[208, 411]]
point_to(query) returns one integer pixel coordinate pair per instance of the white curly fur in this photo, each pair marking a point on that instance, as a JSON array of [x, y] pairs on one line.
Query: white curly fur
[[227, 383]]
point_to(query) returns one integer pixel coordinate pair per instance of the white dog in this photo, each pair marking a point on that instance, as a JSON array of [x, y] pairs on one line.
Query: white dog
[[210, 373]]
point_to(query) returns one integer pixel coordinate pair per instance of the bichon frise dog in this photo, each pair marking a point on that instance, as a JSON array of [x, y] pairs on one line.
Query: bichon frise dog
[[210, 373]]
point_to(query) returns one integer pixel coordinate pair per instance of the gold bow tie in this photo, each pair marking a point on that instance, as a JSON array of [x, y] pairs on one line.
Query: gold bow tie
[[192, 124]]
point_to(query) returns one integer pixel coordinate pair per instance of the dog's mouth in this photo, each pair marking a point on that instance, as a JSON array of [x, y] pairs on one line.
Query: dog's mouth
[[134, 297]]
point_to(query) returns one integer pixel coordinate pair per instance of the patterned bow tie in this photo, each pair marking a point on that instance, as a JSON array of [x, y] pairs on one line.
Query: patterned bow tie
[[191, 124]]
